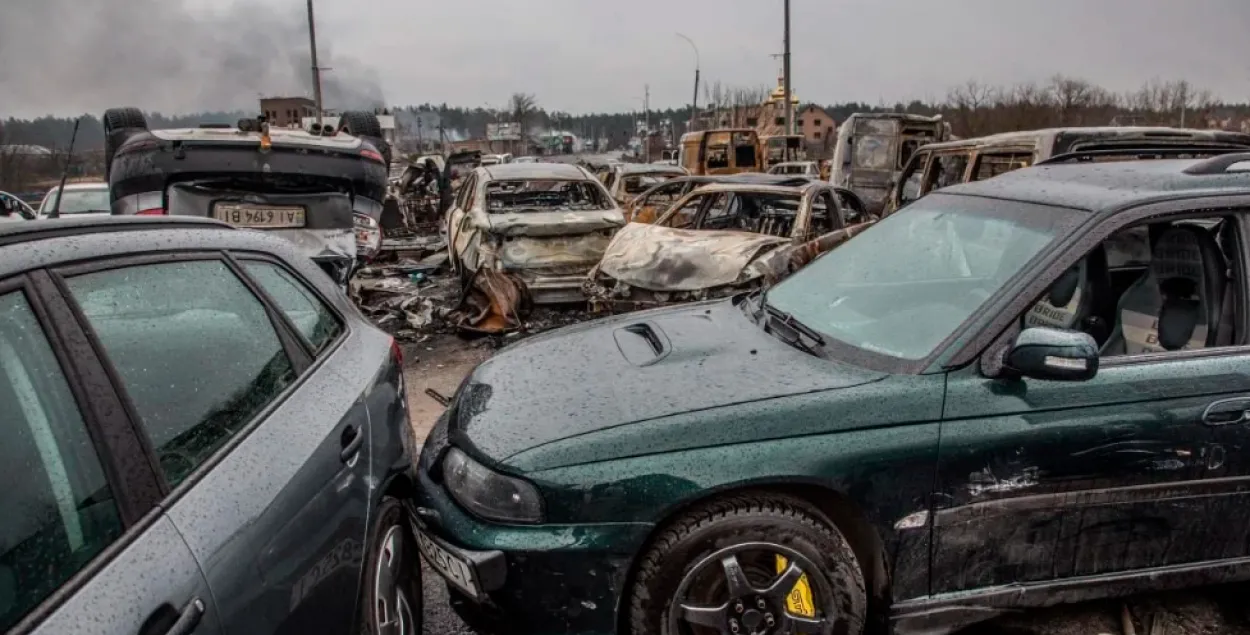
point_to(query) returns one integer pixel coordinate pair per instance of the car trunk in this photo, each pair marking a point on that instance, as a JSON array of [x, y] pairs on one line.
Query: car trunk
[[316, 217]]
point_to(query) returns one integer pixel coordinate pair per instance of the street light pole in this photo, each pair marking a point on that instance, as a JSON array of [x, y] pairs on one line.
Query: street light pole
[[786, 71], [694, 104], [316, 70], [646, 133]]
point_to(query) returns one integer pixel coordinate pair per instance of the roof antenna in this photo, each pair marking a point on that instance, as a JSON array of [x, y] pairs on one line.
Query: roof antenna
[[69, 158]]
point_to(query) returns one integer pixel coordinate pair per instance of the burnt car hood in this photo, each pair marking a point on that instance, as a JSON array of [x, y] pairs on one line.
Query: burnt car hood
[[665, 259], [630, 369], [562, 223]]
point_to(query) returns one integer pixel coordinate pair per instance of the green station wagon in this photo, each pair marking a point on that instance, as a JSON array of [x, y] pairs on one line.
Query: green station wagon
[[1021, 392]]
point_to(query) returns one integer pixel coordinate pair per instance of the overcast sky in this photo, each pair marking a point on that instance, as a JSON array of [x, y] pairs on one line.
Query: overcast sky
[[596, 55]]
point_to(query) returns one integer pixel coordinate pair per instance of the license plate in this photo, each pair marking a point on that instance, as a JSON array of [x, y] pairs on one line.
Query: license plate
[[249, 215], [447, 564]]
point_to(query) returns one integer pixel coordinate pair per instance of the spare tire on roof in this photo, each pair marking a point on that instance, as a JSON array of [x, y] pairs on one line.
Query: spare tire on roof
[[119, 125], [366, 125]]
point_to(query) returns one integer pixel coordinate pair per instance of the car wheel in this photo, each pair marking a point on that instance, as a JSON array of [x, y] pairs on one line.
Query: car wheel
[[119, 125], [365, 124], [749, 565], [391, 600]]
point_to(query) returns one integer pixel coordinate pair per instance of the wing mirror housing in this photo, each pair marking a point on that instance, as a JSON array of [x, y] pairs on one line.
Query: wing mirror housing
[[1054, 354]]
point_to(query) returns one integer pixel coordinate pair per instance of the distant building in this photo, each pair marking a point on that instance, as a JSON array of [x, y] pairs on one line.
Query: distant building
[[815, 125], [287, 112]]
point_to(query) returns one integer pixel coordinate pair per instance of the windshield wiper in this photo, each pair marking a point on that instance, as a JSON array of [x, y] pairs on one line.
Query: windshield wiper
[[799, 329]]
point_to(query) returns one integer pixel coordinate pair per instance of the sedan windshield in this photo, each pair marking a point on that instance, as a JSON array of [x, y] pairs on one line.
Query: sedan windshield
[[78, 202], [907, 283]]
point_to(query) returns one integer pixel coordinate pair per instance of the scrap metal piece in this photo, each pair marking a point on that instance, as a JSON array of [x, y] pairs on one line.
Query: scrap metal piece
[[442, 399], [495, 302]]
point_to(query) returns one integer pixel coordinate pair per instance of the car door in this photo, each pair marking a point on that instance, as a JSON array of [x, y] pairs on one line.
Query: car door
[[83, 549], [456, 218], [907, 188], [261, 438], [1041, 481]]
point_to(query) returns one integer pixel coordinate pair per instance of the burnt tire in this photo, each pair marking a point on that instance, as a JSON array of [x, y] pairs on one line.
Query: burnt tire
[[365, 124], [391, 587], [712, 529], [119, 125]]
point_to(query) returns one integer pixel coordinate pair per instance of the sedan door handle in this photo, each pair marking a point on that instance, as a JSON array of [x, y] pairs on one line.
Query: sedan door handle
[[352, 440], [188, 619], [1227, 412]]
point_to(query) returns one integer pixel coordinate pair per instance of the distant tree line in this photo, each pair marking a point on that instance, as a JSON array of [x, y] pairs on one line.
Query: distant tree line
[[973, 108]]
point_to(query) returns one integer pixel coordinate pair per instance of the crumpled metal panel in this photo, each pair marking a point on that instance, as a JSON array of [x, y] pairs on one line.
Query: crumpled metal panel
[[496, 302], [666, 259], [563, 223], [553, 255]]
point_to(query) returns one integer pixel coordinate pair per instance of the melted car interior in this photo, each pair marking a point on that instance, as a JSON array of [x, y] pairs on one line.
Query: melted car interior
[[504, 197]]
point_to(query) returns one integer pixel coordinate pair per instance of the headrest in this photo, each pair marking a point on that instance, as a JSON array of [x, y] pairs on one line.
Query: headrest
[[1064, 288]]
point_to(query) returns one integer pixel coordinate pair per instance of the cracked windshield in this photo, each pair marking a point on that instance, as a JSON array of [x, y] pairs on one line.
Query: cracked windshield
[[705, 317]]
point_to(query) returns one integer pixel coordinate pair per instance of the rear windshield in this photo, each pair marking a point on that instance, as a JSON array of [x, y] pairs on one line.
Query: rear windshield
[[639, 183], [78, 202], [544, 196]]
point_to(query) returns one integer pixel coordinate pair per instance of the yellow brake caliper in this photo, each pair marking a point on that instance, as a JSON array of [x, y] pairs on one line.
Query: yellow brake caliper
[[799, 601]]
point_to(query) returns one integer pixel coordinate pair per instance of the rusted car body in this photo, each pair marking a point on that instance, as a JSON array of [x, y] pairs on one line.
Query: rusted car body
[[782, 149], [873, 148], [626, 181], [649, 205], [542, 224], [939, 165], [723, 151], [715, 241]]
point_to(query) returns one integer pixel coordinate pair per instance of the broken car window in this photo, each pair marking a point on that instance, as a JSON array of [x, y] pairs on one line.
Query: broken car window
[[639, 183], [544, 195], [991, 165], [948, 170], [908, 282], [771, 214]]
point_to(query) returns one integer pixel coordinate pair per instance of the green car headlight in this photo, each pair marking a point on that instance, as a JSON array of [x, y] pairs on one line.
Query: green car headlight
[[489, 494]]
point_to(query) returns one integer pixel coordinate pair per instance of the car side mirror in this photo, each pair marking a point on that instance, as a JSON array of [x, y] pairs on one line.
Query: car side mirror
[[1055, 354]]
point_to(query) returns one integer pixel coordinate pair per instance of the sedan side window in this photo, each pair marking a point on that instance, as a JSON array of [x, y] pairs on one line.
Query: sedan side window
[[194, 348], [685, 216], [314, 320], [58, 509]]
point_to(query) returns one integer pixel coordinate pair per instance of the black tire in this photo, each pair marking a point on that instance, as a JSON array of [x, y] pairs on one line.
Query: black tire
[[391, 538], [365, 124], [119, 125], [722, 524]]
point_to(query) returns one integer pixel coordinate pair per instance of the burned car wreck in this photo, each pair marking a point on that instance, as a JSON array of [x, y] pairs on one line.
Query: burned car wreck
[[719, 240], [321, 189], [528, 232]]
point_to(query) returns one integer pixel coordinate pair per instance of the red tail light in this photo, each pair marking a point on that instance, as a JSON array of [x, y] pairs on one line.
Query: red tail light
[[156, 211], [397, 352], [371, 154]]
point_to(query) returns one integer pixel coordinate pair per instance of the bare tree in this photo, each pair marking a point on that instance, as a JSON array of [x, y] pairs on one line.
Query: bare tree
[[968, 103], [522, 107]]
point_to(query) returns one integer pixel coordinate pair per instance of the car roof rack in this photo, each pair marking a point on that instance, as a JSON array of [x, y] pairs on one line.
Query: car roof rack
[[1154, 152], [45, 229], [1218, 165]]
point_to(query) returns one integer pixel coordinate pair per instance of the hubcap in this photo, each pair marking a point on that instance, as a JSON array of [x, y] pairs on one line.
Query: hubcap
[[748, 609], [392, 614]]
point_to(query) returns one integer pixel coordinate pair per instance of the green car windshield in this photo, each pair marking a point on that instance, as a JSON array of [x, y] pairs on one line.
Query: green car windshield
[[905, 285]]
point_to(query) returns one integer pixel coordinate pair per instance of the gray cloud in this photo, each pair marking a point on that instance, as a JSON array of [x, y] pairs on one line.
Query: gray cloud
[[61, 56], [592, 55]]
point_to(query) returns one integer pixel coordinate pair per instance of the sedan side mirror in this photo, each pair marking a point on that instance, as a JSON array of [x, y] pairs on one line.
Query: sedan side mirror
[[1056, 354]]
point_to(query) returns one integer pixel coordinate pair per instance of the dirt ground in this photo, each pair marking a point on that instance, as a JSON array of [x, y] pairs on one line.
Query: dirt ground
[[442, 361]]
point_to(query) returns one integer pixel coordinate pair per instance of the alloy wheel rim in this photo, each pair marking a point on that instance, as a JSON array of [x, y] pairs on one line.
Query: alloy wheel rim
[[749, 609], [392, 614]]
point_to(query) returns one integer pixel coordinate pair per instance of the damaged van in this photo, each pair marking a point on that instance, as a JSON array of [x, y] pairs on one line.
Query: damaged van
[[544, 225], [716, 241], [873, 148], [322, 188], [628, 180], [939, 165], [724, 151]]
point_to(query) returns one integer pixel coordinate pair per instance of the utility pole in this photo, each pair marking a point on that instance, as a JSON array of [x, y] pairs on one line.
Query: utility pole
[[316, 70], [694, 103], [646, 132], [786, 71], [420, 139]]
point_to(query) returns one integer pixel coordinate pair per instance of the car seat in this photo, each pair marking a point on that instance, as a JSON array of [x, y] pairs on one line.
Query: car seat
[[1079, 295], [1180, 302]]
